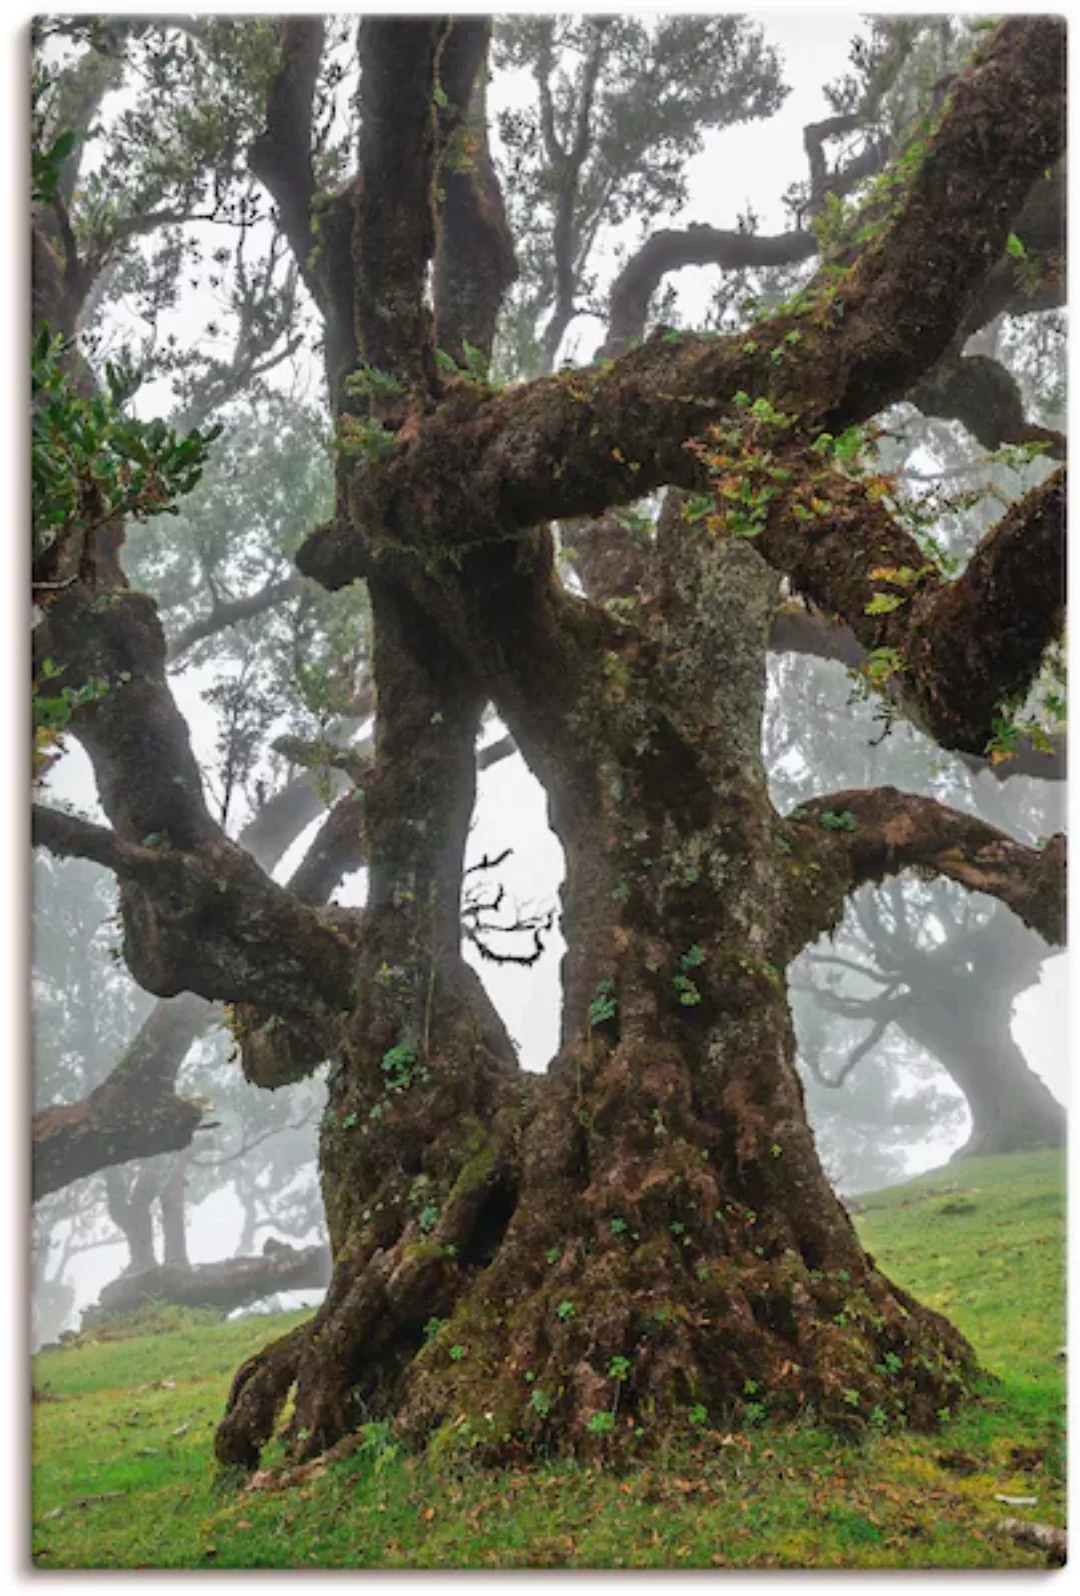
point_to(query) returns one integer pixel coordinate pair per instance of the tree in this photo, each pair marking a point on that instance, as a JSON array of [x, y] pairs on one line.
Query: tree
[[949, 980], [651, 1213]]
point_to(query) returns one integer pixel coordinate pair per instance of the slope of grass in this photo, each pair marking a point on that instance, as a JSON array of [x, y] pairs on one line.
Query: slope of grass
[[123, 1475]]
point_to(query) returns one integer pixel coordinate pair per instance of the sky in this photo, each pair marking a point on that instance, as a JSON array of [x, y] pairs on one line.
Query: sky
[[740, 167]]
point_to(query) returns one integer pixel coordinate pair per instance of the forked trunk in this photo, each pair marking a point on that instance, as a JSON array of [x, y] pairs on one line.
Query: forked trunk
[[643, 1241]]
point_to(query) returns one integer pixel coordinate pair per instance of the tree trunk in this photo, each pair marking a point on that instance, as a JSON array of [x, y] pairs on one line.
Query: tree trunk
[[970, 1036], [131, 1212], [644, 1238], [173, 1220]]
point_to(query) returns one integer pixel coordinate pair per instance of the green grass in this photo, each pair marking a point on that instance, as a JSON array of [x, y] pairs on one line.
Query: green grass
[[124, 1477]]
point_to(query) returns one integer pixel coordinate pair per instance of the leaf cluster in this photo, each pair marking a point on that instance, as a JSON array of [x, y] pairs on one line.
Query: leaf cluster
[[91, 461]]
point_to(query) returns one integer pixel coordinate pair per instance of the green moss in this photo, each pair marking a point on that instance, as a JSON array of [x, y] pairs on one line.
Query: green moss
[[419, 1252], [476, 1171]]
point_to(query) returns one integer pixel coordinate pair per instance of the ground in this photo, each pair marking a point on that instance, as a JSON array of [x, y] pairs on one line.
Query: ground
[[123, 1430]]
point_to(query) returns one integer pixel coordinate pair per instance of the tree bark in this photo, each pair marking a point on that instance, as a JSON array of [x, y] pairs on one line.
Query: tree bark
[[657, 1197]]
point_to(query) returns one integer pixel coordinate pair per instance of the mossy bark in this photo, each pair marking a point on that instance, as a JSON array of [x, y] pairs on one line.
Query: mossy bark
[[644, 1239]]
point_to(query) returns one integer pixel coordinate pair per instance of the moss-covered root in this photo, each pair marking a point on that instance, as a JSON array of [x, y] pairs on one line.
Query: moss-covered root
[[636, 1340], [352, 1361], [257, 1396]]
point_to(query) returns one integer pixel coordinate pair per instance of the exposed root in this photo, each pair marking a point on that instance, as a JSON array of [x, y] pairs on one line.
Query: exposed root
[[603, 1298], [258, 1394], [349, 1364]]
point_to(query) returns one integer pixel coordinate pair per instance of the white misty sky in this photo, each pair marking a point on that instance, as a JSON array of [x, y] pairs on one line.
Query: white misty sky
[[742, 167]]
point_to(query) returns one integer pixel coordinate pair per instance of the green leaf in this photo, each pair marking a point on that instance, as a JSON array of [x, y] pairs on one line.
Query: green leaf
[[885, 603]]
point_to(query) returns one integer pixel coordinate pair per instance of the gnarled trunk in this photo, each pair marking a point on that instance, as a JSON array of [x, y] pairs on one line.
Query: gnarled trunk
[[645, 1237]]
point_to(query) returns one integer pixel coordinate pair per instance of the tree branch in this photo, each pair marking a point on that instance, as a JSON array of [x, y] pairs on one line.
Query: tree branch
[[481, 468], [799, 630], [857, 1054], [281, 156], [226, 1285], [887, 831], [231, 613], [393, 206], [670, 250], [978, 392], [474, 254], [978, 641], [134, 1113]]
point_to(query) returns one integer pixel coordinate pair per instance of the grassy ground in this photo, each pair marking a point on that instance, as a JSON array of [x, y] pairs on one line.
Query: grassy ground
[[123, 1475]]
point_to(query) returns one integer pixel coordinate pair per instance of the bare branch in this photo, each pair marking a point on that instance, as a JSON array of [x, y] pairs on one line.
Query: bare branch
[[232, 613], [670, 250], [855, 1057]]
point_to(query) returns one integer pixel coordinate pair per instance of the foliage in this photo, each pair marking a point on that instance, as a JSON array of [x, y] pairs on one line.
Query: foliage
[[51, 712], [91, 461], [661, 85]]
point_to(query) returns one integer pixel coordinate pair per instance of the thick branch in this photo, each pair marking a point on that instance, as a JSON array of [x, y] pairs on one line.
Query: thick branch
[[484, 468], [211, 922], [394, 213], [474, 255], [281, 156], [232, 1283], [979, 640], [339, 846], [1022, 287], [672, 249], [71, 837], [134, 1113], [799, 630], [887, 831]]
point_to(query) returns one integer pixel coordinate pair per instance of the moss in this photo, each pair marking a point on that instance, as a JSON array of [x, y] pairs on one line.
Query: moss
[[418, 1253], [476, 1172]]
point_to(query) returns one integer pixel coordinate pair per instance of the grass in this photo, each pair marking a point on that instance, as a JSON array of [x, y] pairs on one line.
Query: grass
[[124, 1478]]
